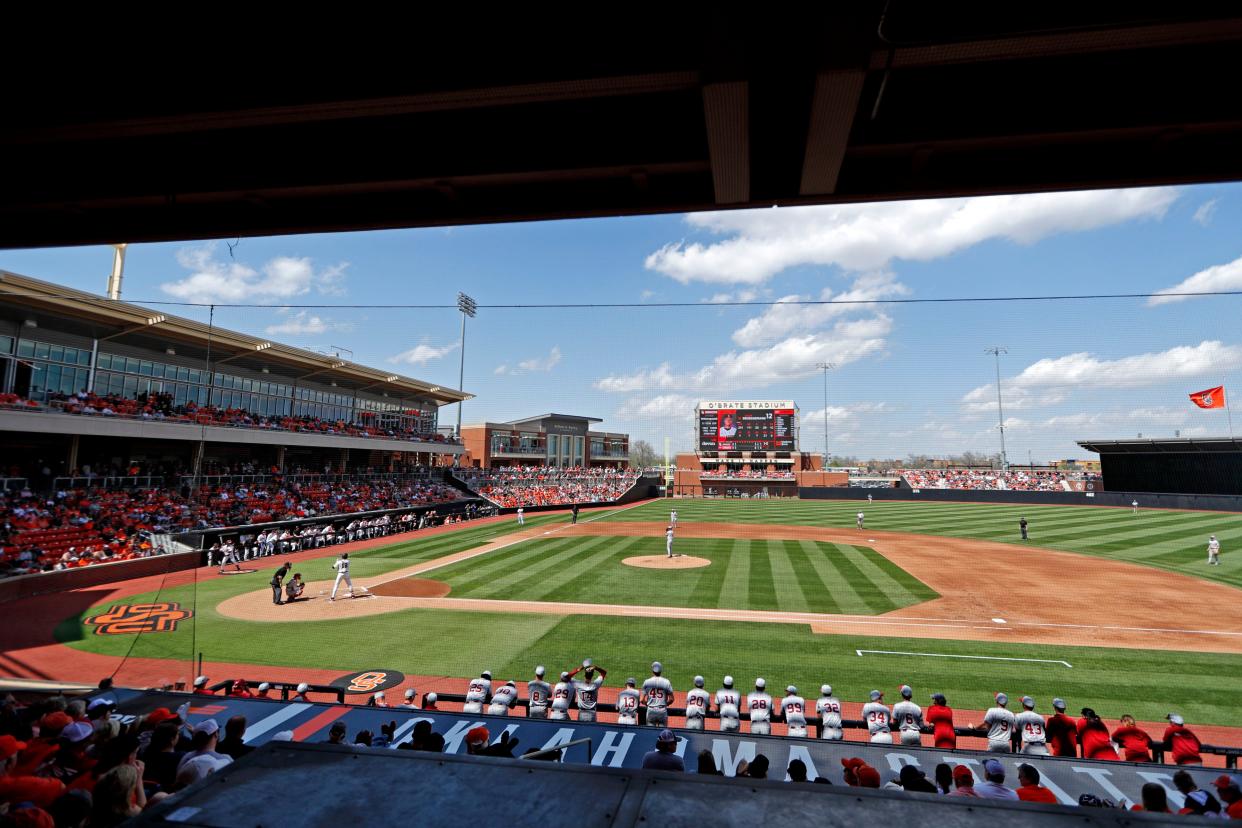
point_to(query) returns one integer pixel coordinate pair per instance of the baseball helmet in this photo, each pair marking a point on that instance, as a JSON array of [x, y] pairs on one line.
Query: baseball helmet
[[657, 667], [826, 689], [876, 695], [728, 681], [539, 671], [698, 681], [760, 683], [906, 692]]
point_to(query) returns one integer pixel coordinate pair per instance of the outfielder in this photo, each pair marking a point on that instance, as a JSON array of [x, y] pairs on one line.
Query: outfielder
[[727, 702], [1213, 551], [1134, 505], [538, 692], [869, 498], [668, 541], [477, 693], [672, 518], [860, 520], [658, 695], [586, 692], [908, 717], [561, 695], [342, 574], [627, 704], [828, 708], [1030, 727], [878, 719], [999, 722], [503, 699], [793, 710], [697, 702], [759, 703], [521, 517]]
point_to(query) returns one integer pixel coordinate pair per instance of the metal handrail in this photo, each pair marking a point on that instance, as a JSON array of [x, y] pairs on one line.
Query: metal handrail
[[558, 748]]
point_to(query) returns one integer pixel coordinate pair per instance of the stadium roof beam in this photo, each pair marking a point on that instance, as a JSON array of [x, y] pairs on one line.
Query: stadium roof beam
[[726, 110], [832, 116]]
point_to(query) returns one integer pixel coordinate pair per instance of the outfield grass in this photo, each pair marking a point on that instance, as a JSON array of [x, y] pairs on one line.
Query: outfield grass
[[790, 576], [1170, 540]]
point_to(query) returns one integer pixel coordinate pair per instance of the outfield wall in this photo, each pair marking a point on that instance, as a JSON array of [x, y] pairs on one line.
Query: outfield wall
[[1147, 500]]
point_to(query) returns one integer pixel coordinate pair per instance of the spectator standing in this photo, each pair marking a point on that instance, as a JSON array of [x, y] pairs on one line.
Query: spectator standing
[[1029, 789], [940, 717], [1094, 736], [1134, 741], [1181, 742], [1062, 731], [664, 757]]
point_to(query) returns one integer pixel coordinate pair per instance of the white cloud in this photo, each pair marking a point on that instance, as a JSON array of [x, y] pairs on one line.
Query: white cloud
[[860, 237], [1215, 278], [1049, 380], [303, 322], [792, 358], [645, 295], [501, 369], [213, 280], [1206, 210], [729, 298], [542, 363], [423, 353], [659, 407], [785, 318]]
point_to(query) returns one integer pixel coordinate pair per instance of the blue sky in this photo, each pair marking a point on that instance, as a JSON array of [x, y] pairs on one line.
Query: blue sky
[[909, 378]]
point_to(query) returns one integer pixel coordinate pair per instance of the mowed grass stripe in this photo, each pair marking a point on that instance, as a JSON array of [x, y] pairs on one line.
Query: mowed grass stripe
[[822, 578], [895, 589], [850, 562], [761, 589], [817, 594], [733, 591], [842, 582], [709, 580], [789, 595], [582, 579], [496, 567], [524, 581]]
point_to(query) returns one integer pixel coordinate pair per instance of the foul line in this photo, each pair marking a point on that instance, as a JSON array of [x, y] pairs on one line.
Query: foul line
[[952, 655]]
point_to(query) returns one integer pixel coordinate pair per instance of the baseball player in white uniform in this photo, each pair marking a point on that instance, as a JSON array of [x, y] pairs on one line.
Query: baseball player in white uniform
[[586, 690], [478, 693], [759, 703], [878, 719], [521, 517], [538, 692], [342, 574], [1030, 727], [561, 694], [697, 702], [658, 696], [1213, 551], [727, 701], [869, 498], [668, 541], [1134, 506], [672, 518], [503, 699], [860, 520], [828, 708], [908, 717], [228, 555], [793, 710], [627, 704], [999, 722]]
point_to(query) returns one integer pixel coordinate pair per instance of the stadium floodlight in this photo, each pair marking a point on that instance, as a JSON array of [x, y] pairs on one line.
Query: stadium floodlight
[[467, 307], [996, 351], [825, 367]]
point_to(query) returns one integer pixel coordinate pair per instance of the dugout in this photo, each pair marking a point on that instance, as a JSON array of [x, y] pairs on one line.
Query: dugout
[[1208, 465]]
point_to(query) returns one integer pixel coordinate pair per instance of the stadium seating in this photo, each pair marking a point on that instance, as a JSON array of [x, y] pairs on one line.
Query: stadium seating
[[512, 486], [991, 479]]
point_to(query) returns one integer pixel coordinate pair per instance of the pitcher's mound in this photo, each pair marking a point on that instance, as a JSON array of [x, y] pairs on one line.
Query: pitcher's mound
[[412, 588], [665, 562]]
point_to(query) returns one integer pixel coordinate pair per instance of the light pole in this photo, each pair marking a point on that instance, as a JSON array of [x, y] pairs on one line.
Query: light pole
[[825, 367], [467, 307], [996, 351]]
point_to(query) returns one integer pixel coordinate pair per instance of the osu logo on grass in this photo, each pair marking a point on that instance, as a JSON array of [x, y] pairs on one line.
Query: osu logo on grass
[[131, 619]]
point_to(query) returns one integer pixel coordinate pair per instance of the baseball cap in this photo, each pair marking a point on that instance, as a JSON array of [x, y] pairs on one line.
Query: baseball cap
[[208, 726], [564, 675], [264, 686], [1001, 698], [656, 667], [826, 689], [409, 694], [539, 671], [992, 768], [963, 772], [1225, 781], [9, 746], [906, 692], [791, 690], [761, 683], [77, 732], [200, 681], [379, 694], [728, 681], [666, 736], [876, 695], [57, 721], [1027, 701], [486, 674], [160, 714], [698, 681], [631, 681], [477, 736], [1176, 719], [431, 698], [938, 698], [1059, 704], [868, 777], [303, 687]]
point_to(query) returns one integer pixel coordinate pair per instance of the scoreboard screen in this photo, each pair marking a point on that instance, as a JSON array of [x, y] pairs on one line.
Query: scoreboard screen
[[747, 426]]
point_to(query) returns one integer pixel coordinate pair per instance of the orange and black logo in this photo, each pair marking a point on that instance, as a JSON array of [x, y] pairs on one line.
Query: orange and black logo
[[370, 681], [132, 619]]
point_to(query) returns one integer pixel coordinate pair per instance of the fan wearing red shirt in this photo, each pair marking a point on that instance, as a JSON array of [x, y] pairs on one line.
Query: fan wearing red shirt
[[1029, 789], [15, 787], [1133, 739], [940, 716], [1230, 795], [1061, 731], [1181, 741], [1094, 736]]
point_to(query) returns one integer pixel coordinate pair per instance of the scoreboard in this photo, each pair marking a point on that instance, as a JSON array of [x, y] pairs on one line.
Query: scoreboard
[[747, 425]]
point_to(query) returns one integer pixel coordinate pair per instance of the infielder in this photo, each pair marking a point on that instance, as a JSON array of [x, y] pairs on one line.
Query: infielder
[[697, 702], [1213, 551], [1030, 727], [538, 692], [908, 717], [342, 574], [878, 719], [828, 708], [672, 518], [860, 520], [561, 694], [668, 541], [727, 702], [793, 710], [999, 722], [477, 693], [521, 517], [503, 699], [586, 693], [657, 695], [759, 703], [627, 704]]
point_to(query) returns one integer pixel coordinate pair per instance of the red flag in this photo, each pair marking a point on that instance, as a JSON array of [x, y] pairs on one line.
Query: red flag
[[1211, 398]]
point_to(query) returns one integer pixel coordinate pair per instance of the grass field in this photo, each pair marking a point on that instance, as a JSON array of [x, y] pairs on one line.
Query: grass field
[[440, 642], [791, 576]]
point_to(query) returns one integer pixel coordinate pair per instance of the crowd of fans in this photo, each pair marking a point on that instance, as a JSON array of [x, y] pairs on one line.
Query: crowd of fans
[[1021, 480], [512, 486], [160, 407], [726, 473]]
